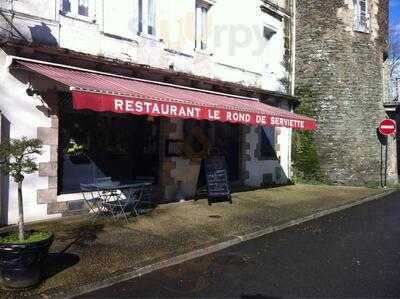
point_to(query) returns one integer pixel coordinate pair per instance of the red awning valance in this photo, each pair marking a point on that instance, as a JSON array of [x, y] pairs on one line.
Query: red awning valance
[[108, 93]]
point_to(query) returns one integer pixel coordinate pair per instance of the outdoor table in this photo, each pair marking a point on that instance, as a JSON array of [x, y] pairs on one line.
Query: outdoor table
[[118, 197]]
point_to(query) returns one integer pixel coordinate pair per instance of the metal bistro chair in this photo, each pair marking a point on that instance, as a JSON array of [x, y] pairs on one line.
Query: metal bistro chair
[[104, 186], [140, 195], [92, 199], [112, 197], [114, 205], [146, 195]]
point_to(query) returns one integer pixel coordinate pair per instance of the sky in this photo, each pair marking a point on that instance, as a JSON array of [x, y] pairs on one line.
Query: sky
[[394, 23], [394, 12]]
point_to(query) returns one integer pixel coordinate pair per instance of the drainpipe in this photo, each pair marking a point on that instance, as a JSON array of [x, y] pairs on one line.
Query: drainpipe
[[293, 85], [293, 46]]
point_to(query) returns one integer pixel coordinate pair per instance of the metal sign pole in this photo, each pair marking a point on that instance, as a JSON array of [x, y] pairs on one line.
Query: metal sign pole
[[386, 128], [386, 160], [381, 170]]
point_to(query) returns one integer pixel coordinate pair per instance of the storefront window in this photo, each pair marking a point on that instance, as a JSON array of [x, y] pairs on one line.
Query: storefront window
[[94, 145], [200, 136], [267, 143]]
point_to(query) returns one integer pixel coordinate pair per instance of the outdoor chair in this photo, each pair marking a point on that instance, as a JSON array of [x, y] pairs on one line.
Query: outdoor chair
[[117, 201], [92, 199], [146, 197], [116, 206], [102, 183]]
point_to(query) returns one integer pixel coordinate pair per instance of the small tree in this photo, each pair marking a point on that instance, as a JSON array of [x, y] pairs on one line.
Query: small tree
[[16, 160]]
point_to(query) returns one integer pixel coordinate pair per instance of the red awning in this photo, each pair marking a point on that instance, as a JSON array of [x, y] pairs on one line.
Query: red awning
[[109, 93]]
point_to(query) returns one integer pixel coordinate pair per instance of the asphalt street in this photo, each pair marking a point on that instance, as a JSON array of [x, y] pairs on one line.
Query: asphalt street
[[353, 253]]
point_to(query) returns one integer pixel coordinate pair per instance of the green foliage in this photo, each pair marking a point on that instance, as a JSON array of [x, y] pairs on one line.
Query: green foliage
[[373, 184], [33, 237], [306, 162], [75, 149], [16, 157], [285, 82]]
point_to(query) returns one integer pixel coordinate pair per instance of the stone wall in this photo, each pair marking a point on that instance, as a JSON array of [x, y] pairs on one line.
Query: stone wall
[[343, 70]]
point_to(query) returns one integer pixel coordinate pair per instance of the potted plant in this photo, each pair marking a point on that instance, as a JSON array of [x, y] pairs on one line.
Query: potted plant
[[21, 252], [77, 152]]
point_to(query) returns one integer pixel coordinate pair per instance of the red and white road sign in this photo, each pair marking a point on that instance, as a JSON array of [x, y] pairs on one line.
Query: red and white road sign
[[387, 127]]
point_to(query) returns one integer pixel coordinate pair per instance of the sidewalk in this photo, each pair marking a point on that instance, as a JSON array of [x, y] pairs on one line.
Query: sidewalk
[[85, 257]]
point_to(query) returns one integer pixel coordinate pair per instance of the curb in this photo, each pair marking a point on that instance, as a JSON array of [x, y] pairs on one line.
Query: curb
[[174, 260]]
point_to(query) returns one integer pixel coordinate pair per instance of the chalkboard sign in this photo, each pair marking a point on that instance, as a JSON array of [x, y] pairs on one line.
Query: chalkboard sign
[[217, 178]]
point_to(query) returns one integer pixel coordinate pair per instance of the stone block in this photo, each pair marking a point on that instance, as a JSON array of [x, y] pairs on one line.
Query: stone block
[[49, 136], [53, 182], [56, 208], [268, 179], [54, 121], [48, 169], [75, 205], [53, 153], [46, 196]]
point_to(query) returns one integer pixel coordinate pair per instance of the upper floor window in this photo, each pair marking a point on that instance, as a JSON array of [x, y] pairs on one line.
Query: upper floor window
[[361, 16], [278, 3], [147, 17], [79, 8], [83, 8], [202, 9]]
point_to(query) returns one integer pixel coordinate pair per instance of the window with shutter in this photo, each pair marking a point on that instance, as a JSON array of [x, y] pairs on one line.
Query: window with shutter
[[202, 9], [82, 9], [66, 6], [361, 16], [151, 27], [147, 17]]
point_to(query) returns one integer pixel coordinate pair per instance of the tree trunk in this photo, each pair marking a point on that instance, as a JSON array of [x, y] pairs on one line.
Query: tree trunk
[[21, 233]]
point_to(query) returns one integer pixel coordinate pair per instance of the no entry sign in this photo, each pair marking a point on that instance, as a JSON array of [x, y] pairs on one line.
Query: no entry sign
[[387, 127]]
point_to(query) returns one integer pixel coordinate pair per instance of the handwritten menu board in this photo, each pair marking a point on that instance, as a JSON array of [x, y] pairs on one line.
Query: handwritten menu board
[[217, 178]]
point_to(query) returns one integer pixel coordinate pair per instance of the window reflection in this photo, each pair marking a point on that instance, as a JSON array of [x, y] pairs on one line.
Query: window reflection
[[66, 6], [83, 8]]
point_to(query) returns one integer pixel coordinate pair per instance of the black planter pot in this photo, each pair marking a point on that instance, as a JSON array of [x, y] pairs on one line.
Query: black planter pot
[[21, 264]]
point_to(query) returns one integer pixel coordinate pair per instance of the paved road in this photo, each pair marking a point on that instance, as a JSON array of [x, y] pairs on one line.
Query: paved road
[[354, 253]]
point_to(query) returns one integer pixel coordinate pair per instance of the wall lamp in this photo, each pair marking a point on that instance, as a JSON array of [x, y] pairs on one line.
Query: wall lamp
[[31, 92]]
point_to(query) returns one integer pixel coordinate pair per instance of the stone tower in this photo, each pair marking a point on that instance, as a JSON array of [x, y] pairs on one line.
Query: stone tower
[[341, 53]]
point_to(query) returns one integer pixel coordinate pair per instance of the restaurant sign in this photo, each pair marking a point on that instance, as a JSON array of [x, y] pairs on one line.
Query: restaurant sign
[[112, 103]]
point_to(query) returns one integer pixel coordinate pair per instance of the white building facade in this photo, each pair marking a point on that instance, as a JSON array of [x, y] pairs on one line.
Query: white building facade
[[216, 46]]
